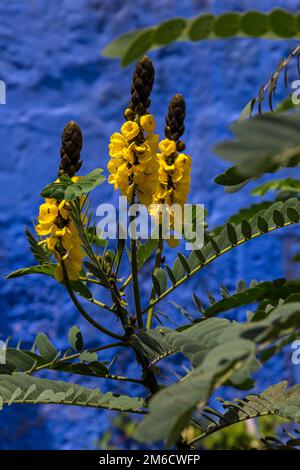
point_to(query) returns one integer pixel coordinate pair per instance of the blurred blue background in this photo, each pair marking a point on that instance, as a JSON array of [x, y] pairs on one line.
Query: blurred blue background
[[50, 60]]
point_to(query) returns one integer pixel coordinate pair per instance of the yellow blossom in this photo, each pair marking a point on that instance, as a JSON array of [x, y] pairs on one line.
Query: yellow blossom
[[130, 130], [133, 163], [54, 220], [63, 209], [48, 213], [148, 123], [73, 264], [167, 147], [117, 144]]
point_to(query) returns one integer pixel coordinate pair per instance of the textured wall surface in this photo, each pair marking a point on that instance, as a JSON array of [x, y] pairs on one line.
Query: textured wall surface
[[50, 60]]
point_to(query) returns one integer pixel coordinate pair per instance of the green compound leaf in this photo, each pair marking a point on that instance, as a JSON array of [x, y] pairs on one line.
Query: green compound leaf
[[201, 27], [75, 338], [227, 239], [219, 350], [263, 144], [169, 31], [254, 23], [277, 24], [227, 25], [145, 250], [69, 190], [45, 347], [40, 254], [268, 291], [21, 388], [138, 46], [286, 184], [283, 23], [175, 404], [275, 400], [47, 269]]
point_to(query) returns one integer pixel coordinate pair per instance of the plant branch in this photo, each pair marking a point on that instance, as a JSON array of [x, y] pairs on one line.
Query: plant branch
[[82, 310], [134, 271], [77, 355], [89, 250], [157, 266]]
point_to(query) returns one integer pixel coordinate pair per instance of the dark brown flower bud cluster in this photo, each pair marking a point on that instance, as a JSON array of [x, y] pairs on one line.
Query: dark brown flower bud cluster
[[142, 83], [71, 145], [175, 121]]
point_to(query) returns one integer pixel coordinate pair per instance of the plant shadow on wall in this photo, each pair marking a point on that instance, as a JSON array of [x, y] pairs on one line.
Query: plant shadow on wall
[[220, 352]]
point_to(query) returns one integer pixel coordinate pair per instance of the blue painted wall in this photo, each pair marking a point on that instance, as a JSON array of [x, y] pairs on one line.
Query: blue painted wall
[[50, 60]]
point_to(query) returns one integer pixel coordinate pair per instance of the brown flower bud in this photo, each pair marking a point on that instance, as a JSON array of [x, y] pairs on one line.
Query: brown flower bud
[[175, 119], [142, 84], [71, 145]]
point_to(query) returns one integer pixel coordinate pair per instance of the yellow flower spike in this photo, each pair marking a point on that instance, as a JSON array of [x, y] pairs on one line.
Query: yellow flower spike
[[130, 130], [51, 242], [117, 144], [47, 213], [152, 140], [167, 147], [148, 123], [43, 229], [63, 210], [57, 231]]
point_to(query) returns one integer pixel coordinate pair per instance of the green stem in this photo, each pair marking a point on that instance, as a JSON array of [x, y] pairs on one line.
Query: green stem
[[126, 282], [157, 266], [77, 355], [93, 281], [100, 304], [82, 310], [134, 271], [76, 215]]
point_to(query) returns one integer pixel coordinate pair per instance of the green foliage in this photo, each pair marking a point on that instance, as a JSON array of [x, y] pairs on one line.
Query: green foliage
[[75, 338], [264, 291], [264, 144], [277, 24], [23, 389], [285, 184], [275, 400], [145, 250], [218, 350], [69, 190], [41, 255], [47, 357], [47, 269], [264, 221]]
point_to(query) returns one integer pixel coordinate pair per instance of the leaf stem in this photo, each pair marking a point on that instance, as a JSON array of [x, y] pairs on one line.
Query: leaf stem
[[82, 310], [126, 282], [77, 355]]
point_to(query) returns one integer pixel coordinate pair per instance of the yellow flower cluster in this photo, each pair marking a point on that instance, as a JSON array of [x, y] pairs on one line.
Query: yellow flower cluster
[[174, 175], [173, 181], [133, 164], [63, 240]]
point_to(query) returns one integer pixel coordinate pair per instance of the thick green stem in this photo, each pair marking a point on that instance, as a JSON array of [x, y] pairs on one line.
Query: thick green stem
[[157, 265], [134, 271]]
